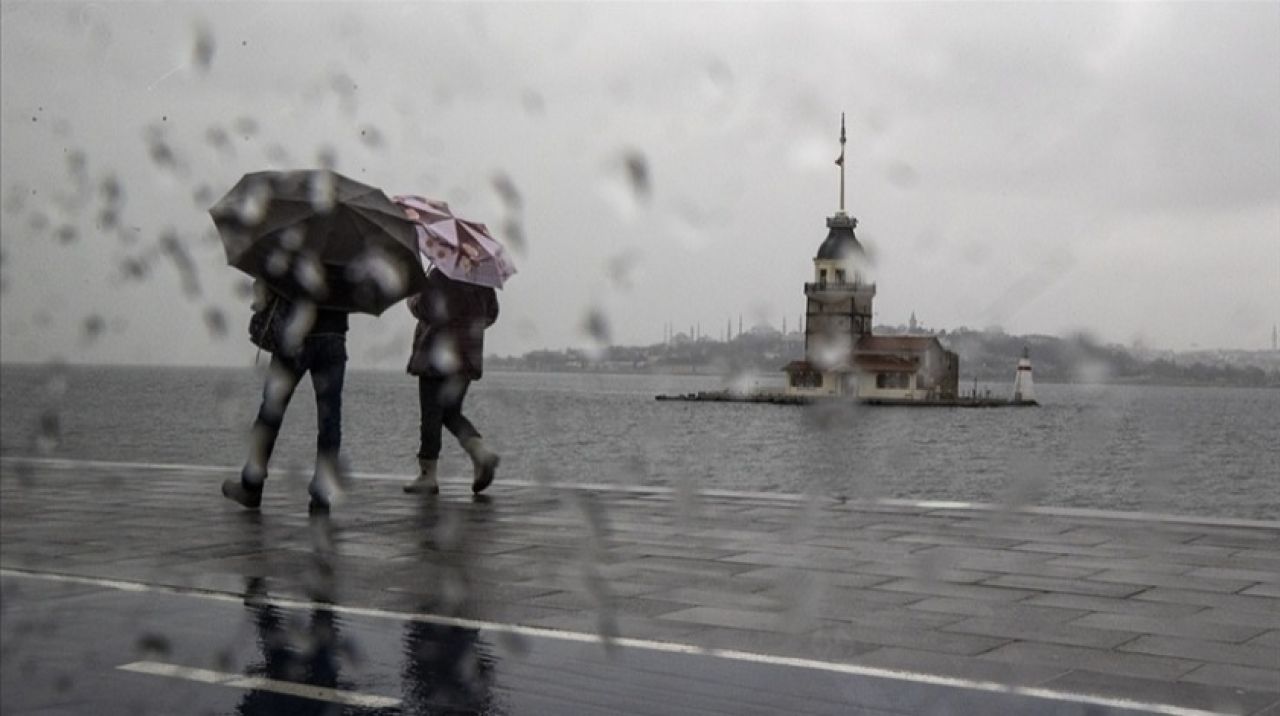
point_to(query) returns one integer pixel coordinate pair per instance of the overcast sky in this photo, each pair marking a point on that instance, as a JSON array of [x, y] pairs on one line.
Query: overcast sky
[[1046, 168]]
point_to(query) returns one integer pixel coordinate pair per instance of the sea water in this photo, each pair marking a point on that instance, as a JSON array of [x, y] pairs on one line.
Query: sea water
[[1184, 450]]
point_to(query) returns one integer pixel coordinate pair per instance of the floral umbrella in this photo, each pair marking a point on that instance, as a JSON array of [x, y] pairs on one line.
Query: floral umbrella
[[463, 250]]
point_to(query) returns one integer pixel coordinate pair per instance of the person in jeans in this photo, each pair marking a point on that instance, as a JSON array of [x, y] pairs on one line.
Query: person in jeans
[[448, 354], [311, 341]]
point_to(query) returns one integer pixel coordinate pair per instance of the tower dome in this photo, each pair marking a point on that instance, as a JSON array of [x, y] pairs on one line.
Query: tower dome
[[841, 244]]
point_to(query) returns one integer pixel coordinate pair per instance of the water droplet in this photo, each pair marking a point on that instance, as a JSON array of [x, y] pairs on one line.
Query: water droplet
[[327, 158], [48, 431], [202, 51], [215, 321], [252, 204], [173, 247], [371, 137], [93, 327], [247, 126], [298, 325], [596, 325], [637, 168], [507, 191], [151, 644], [321, 191], [218, 139], [134, 268]]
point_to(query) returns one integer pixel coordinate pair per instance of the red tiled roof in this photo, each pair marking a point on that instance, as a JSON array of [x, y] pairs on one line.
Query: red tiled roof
[[894, 344], [887, 363]]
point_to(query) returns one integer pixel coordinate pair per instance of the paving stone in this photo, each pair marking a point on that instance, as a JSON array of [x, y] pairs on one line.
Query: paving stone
[[1069, 586], [888, 617], [1083, 658], [1268, 639], [1230, 675], [756, 620], [1183, 627], [1261, 656], [685, 596], [1211, 615], [1034, 631], [961, 667], [1181, 581], [854, 578], [1137, 564], [1112, 605], [1234, 602], [940, 642], [702, 567], [993, 560], [1263, 590], [962, 540], [923, 570], [1016, 611], [963, 591], [1215, 699], [1245, 575]]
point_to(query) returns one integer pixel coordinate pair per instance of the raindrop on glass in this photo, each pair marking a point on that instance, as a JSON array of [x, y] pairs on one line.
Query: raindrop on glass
[[215, 321], [202, 51]]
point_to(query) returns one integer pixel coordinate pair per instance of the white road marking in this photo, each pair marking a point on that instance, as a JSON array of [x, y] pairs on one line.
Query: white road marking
[[218, 678], [658, 646], [72, 464]]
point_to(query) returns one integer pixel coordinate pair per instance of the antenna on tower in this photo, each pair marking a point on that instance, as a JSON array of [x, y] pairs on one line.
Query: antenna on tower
[[840, 162]]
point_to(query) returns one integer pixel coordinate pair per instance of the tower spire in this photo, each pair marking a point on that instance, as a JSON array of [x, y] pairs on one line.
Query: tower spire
[[840, 162]]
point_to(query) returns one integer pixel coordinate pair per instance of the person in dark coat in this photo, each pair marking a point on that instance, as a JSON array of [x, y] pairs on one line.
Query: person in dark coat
[[448, 354], [310, 340]]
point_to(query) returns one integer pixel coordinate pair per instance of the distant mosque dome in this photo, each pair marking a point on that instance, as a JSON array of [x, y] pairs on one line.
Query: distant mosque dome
[[840, 244]]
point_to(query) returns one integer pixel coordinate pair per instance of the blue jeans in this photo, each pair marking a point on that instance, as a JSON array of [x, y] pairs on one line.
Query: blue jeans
[[325, 357]]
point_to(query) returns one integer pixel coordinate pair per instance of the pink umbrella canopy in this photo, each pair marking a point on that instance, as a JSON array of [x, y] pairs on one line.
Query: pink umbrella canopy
[[463, 250]]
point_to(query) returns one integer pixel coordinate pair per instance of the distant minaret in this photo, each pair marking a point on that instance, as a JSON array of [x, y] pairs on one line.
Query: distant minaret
[[1023, 389], [1275, 338], [784, 325], [913, 325]]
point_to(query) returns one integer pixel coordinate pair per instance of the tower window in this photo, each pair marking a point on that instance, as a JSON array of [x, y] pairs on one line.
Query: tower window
[[822, 275], [839, 275]]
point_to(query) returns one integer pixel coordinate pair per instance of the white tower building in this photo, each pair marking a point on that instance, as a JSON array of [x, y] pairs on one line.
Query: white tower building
[[1023, 389]]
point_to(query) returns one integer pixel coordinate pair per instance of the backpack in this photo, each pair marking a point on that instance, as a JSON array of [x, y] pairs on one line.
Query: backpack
[[265, 325]]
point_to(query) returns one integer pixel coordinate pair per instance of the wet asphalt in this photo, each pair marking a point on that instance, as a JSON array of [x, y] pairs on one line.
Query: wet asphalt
[[80, 648]]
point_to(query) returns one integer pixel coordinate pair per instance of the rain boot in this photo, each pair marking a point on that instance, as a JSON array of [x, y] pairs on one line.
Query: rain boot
[[484, 462], [245, 489], [426, 483]]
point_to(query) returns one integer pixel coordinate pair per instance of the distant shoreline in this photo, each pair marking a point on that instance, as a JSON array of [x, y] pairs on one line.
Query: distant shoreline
[[615, 371]]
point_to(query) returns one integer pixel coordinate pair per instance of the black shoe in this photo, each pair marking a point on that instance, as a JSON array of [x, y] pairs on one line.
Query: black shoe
[[236, 490]]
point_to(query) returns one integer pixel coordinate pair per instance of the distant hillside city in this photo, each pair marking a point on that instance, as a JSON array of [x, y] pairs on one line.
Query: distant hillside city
[[986, 355]]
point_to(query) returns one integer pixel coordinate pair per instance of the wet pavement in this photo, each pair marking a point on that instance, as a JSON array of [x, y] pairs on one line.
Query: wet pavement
[[138, 589]]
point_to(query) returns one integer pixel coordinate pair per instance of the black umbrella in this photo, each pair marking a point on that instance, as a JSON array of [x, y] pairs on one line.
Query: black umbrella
[[318, 236]]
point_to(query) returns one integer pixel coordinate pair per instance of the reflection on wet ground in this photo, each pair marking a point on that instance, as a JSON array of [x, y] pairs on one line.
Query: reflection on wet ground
[[273, 659], [129, 589]]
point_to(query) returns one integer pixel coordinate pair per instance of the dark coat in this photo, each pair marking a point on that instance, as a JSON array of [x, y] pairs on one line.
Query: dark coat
[[452, 316]]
